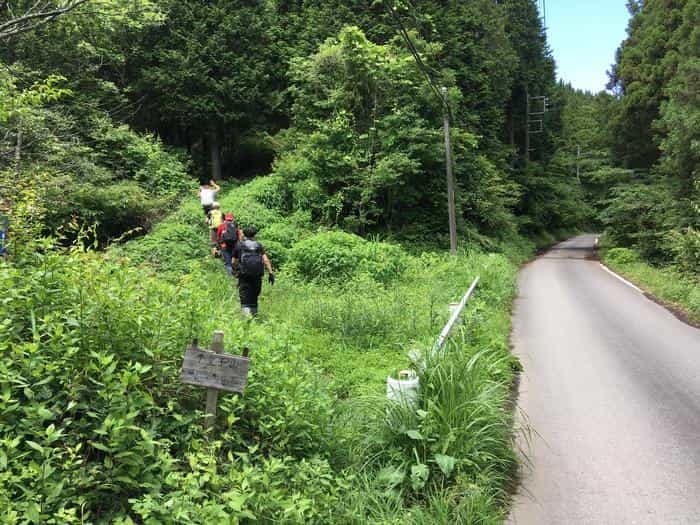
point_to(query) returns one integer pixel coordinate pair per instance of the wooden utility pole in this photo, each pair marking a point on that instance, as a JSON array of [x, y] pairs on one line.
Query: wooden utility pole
[[527, 124], [452, 215], [578, 156]]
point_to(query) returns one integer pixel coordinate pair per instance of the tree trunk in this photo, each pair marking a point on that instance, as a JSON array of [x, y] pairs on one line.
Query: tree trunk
[[215, 153], [511, 124], [18, 152]]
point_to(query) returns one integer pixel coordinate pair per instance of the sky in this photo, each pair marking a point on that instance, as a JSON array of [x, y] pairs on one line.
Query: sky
[[583, 36]]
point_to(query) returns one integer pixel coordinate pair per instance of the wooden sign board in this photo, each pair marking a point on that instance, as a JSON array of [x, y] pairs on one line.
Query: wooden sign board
[[212, 370]]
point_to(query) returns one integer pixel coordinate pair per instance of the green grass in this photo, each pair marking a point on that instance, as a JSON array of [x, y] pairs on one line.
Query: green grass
[[678, 289], [97, 427]]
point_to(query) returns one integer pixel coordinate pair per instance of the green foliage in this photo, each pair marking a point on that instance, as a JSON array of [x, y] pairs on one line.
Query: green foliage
[[552, 201], [98, 427], [678, 288], [656, 129], [97, 415], [685, 246], [109, 176], [338, 256], [638, 215], [350, 139], [621, 256]]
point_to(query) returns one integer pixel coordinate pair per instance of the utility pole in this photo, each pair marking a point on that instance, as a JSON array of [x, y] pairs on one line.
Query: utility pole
[[450, 176], [578, 156], [527, 125], [533, 117]]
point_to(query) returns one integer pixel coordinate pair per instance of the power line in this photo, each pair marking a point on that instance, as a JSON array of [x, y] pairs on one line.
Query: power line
[[403, 32], [447, 116]]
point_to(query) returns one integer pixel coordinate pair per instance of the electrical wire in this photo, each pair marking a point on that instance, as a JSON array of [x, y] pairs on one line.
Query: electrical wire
[[403, 32]]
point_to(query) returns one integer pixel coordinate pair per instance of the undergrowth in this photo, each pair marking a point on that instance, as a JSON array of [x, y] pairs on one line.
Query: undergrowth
[[97, 428]]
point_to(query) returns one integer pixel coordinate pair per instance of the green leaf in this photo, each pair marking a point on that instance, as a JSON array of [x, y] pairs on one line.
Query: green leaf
[[446, 463], [414, 434], [419, 475], [100, 446], [35, 446], [391, 476]]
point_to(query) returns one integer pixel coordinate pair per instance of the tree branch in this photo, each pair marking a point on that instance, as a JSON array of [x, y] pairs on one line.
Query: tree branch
[[31, 20]]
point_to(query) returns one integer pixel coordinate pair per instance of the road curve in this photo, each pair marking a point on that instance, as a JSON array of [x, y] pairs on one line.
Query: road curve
[[611, 393]]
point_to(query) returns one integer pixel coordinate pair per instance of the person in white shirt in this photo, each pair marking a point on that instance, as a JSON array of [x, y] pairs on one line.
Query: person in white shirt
[[207, 196]]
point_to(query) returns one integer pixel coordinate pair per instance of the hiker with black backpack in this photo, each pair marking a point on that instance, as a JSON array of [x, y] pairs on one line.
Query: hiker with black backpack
[[228, 237], [250, 259]]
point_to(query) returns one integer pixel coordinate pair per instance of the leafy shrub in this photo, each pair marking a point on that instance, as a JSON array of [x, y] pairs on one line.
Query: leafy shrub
[[637, 216], [622, 256], [97, 425], [171, 247], [115, 208], [282, 233], [686, 250], [270, 191], [277, 238], [142, 158], [337, 256]]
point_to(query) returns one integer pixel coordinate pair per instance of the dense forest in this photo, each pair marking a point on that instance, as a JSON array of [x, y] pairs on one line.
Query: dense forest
[[640, 159], [113, 110], [323, 121]]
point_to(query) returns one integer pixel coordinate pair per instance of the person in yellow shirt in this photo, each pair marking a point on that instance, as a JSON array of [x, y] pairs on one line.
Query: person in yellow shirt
[[216, 218]]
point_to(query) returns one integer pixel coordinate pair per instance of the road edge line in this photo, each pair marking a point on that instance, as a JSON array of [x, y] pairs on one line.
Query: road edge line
[[617, 276]]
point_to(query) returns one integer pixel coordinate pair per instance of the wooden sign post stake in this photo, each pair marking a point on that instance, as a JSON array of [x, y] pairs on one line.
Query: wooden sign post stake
[[217, 346], [215, 370]]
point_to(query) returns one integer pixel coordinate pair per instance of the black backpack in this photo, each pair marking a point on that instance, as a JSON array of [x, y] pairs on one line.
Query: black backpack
[[251, 261], [230, 234]]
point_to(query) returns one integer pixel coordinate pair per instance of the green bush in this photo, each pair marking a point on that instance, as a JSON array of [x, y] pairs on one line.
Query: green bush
[[686, 250], [171, 247], [282, 233], [336, 256], [142, 158], [622, 256], [96, 423]]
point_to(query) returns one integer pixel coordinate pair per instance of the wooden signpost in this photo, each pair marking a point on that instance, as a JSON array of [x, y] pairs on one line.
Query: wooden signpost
[[214, 370]]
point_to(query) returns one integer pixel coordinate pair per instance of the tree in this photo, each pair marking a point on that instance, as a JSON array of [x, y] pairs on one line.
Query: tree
[[366, 139], [646, 62], [210, 74], [20, 16]]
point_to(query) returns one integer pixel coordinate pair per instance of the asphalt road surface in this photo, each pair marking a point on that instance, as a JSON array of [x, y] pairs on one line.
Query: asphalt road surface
[[611, 393]]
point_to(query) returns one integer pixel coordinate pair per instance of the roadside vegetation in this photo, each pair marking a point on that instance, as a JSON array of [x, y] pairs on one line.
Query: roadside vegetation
[[674, 287], [638, 160], [97, 428]]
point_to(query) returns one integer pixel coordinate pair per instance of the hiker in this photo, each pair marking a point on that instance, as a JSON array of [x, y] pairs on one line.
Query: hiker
[[228, 236], [4, 227], [216, 218], [207, 195], [250, 259]]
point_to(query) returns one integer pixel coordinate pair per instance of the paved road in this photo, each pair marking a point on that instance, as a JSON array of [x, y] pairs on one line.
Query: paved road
[[611, 390]]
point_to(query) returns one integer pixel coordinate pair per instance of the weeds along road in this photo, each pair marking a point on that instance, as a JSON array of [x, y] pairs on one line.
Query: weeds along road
[[611, 392]]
